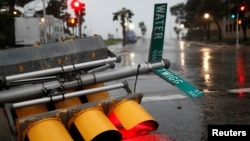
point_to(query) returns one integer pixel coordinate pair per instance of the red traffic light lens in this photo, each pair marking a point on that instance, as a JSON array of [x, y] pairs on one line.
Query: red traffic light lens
[[132, 119], [76, 4], [242, 8]]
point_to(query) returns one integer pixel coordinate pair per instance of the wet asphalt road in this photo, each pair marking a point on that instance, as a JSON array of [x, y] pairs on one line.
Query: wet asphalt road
[[220, 71]]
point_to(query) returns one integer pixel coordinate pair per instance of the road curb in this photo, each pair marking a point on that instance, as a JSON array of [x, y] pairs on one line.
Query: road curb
[[215, 45]]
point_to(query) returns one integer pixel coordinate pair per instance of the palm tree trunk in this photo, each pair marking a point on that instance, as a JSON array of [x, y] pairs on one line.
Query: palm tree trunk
[[219, 30], [123, 31], [244, 29]]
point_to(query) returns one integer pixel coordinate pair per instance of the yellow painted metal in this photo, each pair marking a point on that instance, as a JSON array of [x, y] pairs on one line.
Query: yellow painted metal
[[68, 102], [31, 110], [130, 113], [93, 122], [96, 96], [50, 129]]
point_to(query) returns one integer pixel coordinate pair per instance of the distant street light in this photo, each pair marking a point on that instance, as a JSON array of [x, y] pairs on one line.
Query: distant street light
[[182, 26], [14, 12], [207, 17], [131, 26]]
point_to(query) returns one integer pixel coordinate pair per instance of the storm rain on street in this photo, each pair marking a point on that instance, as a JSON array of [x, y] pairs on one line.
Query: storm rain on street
[[219, 71]]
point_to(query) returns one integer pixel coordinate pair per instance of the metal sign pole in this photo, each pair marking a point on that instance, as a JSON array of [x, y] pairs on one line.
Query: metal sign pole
[[237, 29], [45, 21]]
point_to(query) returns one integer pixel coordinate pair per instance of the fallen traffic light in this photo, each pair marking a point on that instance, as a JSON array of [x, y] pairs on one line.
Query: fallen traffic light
[[132, 119], [48, 129], [94, 125]]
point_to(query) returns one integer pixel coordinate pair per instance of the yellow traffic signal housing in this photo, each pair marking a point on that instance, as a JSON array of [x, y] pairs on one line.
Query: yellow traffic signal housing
[[93, 124], [132, 119], [96, 96], [50, 129]]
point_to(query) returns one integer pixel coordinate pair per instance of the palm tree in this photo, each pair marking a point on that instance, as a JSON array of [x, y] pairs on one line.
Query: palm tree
[[124, 14], [177, 31], [143, 28]]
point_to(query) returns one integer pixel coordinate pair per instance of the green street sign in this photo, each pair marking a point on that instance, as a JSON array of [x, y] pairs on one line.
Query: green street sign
[[177, 81], [156, 52], [157, 38]]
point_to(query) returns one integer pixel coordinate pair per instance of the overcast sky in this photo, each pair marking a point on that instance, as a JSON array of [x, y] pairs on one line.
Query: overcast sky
[[99, 16]]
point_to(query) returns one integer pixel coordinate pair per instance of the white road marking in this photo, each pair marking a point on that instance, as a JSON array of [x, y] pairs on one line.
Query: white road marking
[[160, 98], [242, 90]]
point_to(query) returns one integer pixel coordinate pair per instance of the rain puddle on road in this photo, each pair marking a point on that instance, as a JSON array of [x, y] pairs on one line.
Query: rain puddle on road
[[240, 93], [160, 98]]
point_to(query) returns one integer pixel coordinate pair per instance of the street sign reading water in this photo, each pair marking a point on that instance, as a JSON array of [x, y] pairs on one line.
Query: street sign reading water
[[156, 52], [157, 39]]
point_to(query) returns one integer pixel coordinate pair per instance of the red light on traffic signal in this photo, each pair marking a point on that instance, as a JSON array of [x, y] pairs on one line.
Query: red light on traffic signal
[[132, 119], [242, 8], [77, 6]]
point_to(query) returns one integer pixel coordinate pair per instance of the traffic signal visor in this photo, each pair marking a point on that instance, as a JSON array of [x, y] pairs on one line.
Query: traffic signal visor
[[94, 125], [132, 119], [50, 129]]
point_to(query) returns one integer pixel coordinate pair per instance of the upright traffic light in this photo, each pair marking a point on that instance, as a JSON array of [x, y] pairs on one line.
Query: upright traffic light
[[233, 13], [72, 22], [242, 10], [78, 6], [240, 21]]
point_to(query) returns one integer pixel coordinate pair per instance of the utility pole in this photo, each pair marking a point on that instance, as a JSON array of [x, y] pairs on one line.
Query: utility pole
[[237, 25], [45, 21], [237, 29]]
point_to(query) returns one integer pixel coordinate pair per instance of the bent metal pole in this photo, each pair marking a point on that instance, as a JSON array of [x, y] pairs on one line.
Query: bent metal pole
[[37, 90], [61, 69]]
